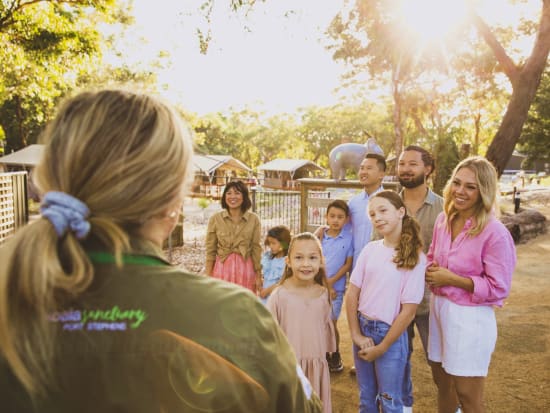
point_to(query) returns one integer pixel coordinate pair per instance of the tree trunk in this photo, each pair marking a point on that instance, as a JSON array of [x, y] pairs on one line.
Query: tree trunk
[[525, 82], [477, 130], [397, 119], [502, 146]]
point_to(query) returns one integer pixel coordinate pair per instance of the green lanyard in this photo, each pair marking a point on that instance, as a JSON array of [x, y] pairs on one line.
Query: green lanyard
[[108, 258]]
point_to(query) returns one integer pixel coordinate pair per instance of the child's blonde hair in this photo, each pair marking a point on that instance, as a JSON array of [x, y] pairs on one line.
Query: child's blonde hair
[[321, 277], [487, 182], [410, 241], [126, 156]]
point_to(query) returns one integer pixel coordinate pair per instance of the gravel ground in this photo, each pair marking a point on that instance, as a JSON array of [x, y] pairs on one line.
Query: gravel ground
[[191, 254]]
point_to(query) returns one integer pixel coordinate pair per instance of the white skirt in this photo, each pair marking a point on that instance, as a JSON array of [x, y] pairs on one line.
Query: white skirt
[[462, 338]]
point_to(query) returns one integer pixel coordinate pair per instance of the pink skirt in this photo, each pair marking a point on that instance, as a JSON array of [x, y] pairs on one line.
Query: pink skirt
[[236, 270]]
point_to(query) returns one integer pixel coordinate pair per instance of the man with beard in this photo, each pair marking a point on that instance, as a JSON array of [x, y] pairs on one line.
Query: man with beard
[[414, 167]]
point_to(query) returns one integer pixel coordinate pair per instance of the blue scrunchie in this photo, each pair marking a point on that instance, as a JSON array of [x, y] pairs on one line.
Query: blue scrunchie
[[66, 212]]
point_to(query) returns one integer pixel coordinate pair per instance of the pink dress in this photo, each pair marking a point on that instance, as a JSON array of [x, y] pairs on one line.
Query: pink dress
[[307, 324], [237, 270]]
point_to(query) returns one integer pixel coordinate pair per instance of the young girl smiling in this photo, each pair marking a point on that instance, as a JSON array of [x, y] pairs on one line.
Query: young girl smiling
[[273, 260], [302, 308], [385, 288]]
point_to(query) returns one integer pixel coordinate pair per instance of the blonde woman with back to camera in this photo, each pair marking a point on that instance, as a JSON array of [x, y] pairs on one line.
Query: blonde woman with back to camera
[[470, 265], [92, 317]]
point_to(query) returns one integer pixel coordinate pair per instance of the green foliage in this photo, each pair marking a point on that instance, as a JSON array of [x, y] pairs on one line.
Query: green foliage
[[373, 38], [324, 128], [49, 48], [203, 203], [255, 138], [534, 141], [446, 158]]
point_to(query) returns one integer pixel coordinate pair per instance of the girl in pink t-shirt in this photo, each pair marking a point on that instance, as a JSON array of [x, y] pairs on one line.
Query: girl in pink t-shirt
[[385, 288]]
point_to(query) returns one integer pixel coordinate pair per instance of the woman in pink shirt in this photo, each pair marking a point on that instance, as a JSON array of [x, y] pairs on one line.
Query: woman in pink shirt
[[472, 258]]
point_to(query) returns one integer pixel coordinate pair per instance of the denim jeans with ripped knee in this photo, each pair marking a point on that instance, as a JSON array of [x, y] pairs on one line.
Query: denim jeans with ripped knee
[[381, 381]]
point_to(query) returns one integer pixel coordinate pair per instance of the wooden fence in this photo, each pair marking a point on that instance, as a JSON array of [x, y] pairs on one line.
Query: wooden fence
[[14, 210], [316, 194]]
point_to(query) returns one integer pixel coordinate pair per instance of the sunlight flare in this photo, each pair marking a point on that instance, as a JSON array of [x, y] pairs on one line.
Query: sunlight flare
[[431, 20]]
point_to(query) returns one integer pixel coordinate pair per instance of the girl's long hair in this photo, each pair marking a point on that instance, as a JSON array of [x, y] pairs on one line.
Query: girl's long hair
[[410, 242], [487, 182], [126, 156], [321, 277]]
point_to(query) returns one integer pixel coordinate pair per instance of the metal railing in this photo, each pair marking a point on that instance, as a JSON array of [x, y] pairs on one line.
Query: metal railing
[[277, 208], [304, 210]]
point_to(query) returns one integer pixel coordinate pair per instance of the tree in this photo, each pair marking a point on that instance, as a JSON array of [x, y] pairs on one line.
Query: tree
[[372, 39], [48, 48], [524, 78], [323, 128], [367, 37]]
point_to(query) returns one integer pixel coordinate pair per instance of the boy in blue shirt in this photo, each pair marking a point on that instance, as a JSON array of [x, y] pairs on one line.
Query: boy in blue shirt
[[338, 252]]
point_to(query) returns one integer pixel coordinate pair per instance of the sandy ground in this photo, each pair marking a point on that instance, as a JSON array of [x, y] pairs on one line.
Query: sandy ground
[[519, 375]]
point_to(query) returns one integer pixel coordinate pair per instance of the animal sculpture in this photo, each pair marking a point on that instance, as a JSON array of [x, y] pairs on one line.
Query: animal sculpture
[[350, 155]]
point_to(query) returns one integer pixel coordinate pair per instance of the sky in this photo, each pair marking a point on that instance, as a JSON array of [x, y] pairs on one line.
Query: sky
[[270, 60]]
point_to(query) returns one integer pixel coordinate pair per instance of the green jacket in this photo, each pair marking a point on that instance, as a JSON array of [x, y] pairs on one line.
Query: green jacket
[[149, 337]]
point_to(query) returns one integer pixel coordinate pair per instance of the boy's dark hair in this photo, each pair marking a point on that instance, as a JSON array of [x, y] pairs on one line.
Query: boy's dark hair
[[338, 203], [380, 160], [243, 189], [427, 157]]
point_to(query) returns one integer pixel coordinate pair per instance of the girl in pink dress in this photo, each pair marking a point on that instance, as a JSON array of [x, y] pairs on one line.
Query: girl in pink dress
[[301, 306]]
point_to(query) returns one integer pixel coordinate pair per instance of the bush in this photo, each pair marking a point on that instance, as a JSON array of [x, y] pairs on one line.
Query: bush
[[203, 203]]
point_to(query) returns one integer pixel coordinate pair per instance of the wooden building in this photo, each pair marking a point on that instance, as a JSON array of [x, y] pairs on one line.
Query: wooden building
[[283, 173], [213, 172]]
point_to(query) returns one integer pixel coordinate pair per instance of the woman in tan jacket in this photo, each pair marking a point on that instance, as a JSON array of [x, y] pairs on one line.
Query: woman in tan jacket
[[233, 249]]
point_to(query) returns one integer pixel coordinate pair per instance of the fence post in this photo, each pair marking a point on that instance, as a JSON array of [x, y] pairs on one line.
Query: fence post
[[253, 199], [303, 206], [306, 184]]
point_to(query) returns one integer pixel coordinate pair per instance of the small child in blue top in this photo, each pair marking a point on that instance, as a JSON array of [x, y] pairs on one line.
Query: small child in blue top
[[337, 246], [273, 260]]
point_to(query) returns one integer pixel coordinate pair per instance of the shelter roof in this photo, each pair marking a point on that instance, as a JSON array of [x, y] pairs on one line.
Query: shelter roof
[[288, 165], [209, 163], [29, 156]]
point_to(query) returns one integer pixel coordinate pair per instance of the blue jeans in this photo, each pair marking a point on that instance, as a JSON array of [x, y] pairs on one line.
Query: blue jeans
[[381, 381]]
